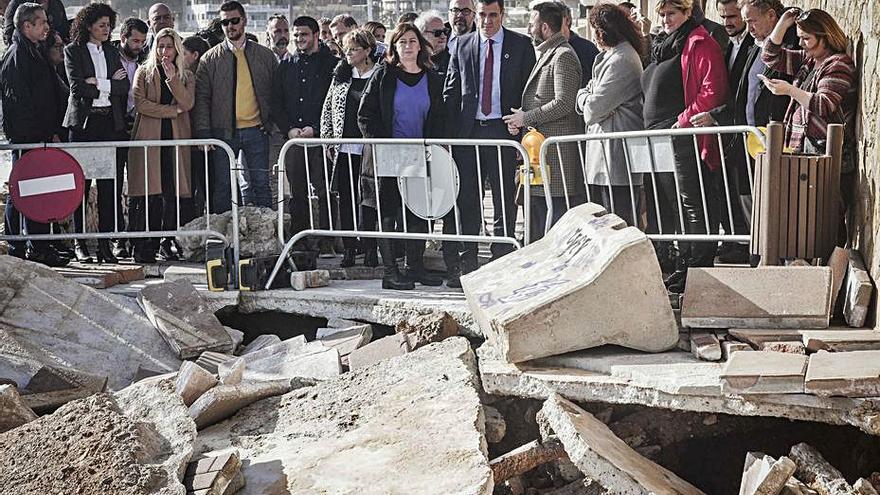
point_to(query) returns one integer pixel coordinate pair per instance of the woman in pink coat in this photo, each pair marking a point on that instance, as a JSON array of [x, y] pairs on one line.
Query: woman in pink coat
[[687, 76]]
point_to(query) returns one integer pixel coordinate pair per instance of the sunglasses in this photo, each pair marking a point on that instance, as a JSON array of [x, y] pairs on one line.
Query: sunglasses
[[234, 21], [439, 32], [803, 15]]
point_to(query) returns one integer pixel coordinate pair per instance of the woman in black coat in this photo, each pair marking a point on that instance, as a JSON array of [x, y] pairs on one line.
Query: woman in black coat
[[404, 99], [96, 107]]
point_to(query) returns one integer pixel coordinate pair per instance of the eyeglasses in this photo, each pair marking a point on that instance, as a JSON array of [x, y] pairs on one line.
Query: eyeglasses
[[465, 12], [439, 32], [233, 20], [804, 15]]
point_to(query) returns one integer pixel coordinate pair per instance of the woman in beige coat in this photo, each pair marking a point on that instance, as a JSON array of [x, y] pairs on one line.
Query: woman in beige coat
[[164, 93]]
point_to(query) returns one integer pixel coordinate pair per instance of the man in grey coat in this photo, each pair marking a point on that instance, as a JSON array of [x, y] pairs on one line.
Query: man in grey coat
[[548, 105], [233, 101]]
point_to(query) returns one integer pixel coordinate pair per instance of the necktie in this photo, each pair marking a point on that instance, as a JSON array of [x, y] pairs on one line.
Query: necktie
[[488, 72]]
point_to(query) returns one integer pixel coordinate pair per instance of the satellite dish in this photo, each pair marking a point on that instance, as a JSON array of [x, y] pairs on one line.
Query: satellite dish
[[432, 196]]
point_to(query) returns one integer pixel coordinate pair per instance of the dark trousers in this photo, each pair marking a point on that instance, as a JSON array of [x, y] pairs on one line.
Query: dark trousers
[[623, 199], [98, 128], [295, 163], [254, 143], [731, 191], [392, 204], [347, 173], [538, 213], [197, 178], [12, 226], [502, 182]]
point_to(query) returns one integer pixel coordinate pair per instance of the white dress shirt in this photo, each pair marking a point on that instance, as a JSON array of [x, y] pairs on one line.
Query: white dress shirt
[[735, 44], [100, 63], [498, 40]]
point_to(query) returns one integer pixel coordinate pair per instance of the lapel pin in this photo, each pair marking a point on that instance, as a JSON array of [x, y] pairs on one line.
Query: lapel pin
[[506, 55]]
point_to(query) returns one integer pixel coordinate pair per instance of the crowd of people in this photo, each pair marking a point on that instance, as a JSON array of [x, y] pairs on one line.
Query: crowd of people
[[459, 74]]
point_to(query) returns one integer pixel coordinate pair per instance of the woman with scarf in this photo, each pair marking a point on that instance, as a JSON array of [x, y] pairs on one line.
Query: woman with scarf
[[687, 75]]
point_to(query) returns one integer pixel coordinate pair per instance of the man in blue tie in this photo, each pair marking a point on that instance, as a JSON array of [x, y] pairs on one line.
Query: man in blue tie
[[487, 72]]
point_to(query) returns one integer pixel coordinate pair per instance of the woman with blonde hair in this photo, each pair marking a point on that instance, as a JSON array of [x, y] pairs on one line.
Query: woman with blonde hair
[[164, 93]]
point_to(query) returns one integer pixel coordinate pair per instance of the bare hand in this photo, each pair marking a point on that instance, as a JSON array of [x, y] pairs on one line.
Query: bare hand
[[703, 120], [777, 86], [515, 119], [294, 133], [170, 69], [675, 125], [91, 80], [513, 130], [789, 17], [179, 110], [120, 75], [307, 132]]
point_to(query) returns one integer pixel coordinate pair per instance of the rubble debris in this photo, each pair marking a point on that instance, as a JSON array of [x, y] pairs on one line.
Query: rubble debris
[[260, 342], [788, 346], [705, 346], [214, 475], [838, 262], [345, 341], [573, 290], [604, 457], [223, 401], [193, 381], [764, 475], [763, 372], [403, 415], [496, 427], [47, 320], [379, 350], [583, 486], [841, 340], [844, 374], [231, 373], [525, 458], [425, 329], [135, 442], [13, 411], [309, 279], [257, 232], [858, 290], [47, 402], [817, 473], [292, 358], [728, 347], [864, 487], [184, 319], [211, 360], [763, 297], [237, 337], [758, 337], [52, 378]]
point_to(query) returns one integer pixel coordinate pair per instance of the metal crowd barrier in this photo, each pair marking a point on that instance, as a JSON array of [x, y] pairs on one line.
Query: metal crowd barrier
[[649, 154], [388, 154], [96, 165]]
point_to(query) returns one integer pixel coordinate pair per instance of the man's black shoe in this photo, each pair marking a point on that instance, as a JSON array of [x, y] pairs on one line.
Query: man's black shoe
[[423, 277], [47, 258]]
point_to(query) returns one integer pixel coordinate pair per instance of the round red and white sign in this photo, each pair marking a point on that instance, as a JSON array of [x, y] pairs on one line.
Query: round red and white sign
[[46, 184]]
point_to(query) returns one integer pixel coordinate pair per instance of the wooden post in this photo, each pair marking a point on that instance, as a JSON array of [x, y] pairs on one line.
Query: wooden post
[[768, 247], [834, 149]]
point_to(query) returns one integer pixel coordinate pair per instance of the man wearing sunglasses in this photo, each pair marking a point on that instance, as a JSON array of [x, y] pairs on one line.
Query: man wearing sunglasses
[[436, 33], [233, 102]]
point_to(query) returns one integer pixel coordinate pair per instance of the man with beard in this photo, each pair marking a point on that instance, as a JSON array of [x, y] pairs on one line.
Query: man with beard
[[298, 92], [132, 37], [233, 102], [461, 21], [278, 36]]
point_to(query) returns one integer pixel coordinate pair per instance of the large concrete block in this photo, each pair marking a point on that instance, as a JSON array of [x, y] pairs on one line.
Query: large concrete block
[[844, 374], [764, 297], [604, 457], [184, 319], [193, 381], [293, 358], [858, 291], [590, 281], [763, 372], [379, 350]]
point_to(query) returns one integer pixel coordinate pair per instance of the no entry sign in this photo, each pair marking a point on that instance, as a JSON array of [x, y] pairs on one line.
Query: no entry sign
[[46, 185]]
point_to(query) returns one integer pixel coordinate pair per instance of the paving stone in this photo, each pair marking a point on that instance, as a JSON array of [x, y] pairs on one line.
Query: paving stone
[[791, 347], [731, 346], [846, 374], [412, 424], [429, 328], [211, 360], [379, 350], [213, 475], [223, 401], [763, 297], [604, 457], [761, 372], [858, 291], [764, 475], [13, 411], [309, 279], [260, 342], [184, 319], [705, 346], [193, 381], [841, 340], [590, 281]]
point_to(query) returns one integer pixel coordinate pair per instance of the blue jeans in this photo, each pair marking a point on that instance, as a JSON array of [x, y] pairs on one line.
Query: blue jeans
[[254, 189]]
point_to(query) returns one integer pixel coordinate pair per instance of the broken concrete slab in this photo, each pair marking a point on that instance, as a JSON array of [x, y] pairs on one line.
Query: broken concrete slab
[[310, 279], [315, 440], [237, 337], [231, 373], [858, 291], [223, 401], [13, 411], [762, 372], [211, 360], [293, 344], [136, 442], [525, 458], [378, 351], [757, 337], [573, 290], [260, 342], [425, 329], [214, 475], [184, 319], [312, 361], [52, 378], [841, 340], [604, 457], [705, 346], [763, 297], [844, 374], [193, 381], [814, 470], [347, 340], [730, 346], [791, 347], [46, 320], [764, 475]]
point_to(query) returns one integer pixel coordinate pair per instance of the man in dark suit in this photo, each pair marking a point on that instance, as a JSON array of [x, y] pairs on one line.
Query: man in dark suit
[[487, 73], [585, 49]]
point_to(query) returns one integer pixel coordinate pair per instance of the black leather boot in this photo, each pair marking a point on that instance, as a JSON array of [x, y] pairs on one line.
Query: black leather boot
[[105, 253], [81, 251], [415, 268], [392, 278]]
